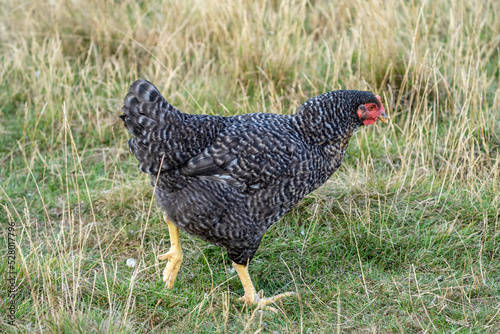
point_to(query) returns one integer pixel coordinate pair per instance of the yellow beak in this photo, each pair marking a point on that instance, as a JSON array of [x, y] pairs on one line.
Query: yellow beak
[[383, 117]]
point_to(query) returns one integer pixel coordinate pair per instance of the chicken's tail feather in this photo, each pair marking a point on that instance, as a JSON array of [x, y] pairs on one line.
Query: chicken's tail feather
[[145, 115]]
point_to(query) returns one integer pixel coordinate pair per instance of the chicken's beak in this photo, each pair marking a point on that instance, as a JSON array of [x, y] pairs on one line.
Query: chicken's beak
[[383, 118]]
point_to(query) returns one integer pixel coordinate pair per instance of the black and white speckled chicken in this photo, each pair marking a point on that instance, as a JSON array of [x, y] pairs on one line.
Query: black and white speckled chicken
[[228, 179]]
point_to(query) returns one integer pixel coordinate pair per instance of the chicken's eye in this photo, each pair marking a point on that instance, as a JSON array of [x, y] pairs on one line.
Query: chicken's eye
[[371, 107]]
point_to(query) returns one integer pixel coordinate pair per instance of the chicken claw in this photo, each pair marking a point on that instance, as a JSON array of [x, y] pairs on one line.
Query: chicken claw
[[174, 256], [251, 297]]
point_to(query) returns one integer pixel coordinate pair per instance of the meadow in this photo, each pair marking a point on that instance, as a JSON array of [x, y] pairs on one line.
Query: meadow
[[404, 238]]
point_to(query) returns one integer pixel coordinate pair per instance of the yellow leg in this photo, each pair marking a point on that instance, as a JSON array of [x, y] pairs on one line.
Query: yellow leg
[[174, 255], [251, 297]]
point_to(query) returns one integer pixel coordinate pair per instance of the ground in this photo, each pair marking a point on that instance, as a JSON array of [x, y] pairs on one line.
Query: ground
[[404, 238]]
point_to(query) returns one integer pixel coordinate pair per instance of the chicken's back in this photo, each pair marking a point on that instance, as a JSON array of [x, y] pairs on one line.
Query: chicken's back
[[164, 138]]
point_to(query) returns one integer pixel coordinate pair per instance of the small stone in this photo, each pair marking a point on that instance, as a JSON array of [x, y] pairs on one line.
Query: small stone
[[440, 278], [131, 263]]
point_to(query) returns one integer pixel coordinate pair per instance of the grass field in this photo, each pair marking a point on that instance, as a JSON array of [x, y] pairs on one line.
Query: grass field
[[404, 238]]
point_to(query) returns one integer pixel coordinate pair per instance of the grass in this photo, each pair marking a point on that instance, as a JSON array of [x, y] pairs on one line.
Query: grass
[[404, 238]]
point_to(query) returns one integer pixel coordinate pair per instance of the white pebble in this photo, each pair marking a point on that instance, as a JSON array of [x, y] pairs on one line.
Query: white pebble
[[131, 263]]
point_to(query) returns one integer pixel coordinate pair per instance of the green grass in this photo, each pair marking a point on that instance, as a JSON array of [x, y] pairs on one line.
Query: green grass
[[404, 238]]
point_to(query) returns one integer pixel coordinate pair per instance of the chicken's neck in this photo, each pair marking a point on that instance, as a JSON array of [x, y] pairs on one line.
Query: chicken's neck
[[331, 133], [335, 151], [325, 131]]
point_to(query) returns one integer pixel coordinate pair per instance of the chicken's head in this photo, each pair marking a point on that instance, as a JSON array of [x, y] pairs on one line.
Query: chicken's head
[[369, 113]]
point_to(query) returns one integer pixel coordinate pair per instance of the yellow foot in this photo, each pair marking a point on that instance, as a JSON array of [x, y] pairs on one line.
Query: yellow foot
[[263, 303], [174, 263], [251, 297]]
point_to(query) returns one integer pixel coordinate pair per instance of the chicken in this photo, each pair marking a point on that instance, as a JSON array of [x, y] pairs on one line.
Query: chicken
[[228, 179]]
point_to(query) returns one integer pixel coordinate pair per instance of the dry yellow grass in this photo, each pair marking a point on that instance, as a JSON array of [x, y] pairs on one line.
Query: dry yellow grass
[[404, 238]]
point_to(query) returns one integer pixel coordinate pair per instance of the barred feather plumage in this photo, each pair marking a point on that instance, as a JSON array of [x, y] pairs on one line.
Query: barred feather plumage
[[228, 179]]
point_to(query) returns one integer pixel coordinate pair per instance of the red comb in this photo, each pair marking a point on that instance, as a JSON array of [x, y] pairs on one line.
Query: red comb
[[380, 100]]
